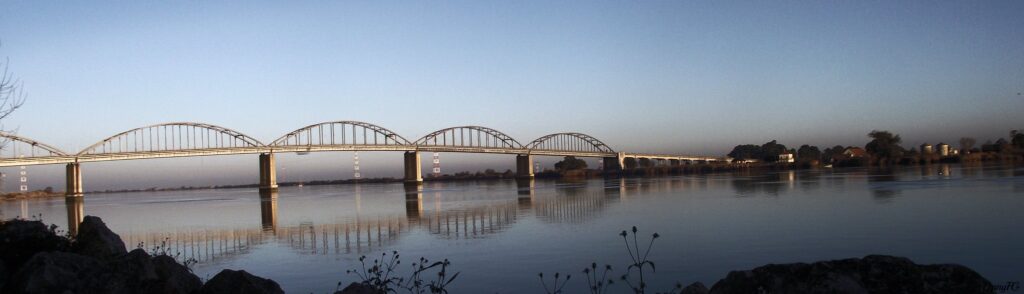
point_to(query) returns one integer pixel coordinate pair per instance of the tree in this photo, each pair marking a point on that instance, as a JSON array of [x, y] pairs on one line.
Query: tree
[[1003, 145], [1017, 139], [11, 94], [808, 153], [570, 163], [884, 145], [748, 151], [832, 154], [966, 143], [770, 151]]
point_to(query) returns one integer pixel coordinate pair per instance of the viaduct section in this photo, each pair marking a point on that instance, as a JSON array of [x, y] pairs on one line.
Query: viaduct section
[[187, 139]]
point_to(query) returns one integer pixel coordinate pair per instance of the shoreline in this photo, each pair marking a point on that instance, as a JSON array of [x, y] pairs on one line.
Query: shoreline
[[651, 171]]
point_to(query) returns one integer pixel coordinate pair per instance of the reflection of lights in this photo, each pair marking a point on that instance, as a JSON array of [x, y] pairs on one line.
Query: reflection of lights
[[792, 179]]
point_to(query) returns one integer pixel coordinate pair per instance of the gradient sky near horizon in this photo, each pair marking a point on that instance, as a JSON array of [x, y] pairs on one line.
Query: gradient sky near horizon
[[657, 76]]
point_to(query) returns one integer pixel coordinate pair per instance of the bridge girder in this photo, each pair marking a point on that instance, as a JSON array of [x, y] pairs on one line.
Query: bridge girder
[[175, 136], [185, 139], [469, 136], [568, 142], [11, 141], [341, 134]]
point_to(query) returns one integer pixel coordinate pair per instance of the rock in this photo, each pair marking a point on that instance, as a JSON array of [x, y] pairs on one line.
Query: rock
[[99, 264], [230, 281], [695, 288], [96, 240], [56, 272], [21, 239], [359, 288], [871, 274], [130, 273], [4, 276], [174, 277]]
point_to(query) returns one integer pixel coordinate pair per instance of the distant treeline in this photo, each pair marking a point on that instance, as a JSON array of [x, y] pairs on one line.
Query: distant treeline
[[883, 149]]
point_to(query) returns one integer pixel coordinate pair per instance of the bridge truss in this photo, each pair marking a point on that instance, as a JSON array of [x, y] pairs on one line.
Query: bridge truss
[[188, 139]]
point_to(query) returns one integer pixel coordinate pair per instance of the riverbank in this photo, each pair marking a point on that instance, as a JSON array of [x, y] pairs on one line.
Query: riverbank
[[648, 171], [30, 195]]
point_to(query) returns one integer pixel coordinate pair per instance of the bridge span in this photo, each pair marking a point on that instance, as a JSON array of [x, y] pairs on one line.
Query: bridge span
[[189, 139]]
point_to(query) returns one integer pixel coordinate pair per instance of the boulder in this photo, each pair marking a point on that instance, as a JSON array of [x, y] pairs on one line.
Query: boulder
[[231, 282], [359, 288], [871, 274], [21, 239], [4, 276], [174, 277], [56, 272], [130, 273], [695, 288], [96, 240]]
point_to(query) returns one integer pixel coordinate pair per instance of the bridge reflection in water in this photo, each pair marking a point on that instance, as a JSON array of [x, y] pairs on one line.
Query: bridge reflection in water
[[426, 209]]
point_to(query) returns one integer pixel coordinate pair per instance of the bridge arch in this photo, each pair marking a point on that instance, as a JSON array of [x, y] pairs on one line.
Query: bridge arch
[[569, 142], [469, 136], [168, 138], [9, 147], [341, 133]]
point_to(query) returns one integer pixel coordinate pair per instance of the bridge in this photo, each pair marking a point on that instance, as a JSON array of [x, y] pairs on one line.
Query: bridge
[[190, 139]]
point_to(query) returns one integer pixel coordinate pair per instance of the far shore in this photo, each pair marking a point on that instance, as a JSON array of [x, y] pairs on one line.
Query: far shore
[[484, 176]]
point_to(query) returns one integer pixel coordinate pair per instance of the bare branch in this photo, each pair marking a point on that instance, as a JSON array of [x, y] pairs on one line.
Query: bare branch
[[12, 94]]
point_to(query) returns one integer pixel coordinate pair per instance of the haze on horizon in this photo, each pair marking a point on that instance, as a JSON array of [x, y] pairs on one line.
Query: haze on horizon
[[668, 77]]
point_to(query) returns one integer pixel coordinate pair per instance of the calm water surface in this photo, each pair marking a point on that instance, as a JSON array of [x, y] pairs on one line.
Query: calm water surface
[[500, 234]]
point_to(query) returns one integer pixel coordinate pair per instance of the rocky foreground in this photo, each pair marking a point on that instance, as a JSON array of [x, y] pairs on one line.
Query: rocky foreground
[[34, 259], [871, 274]]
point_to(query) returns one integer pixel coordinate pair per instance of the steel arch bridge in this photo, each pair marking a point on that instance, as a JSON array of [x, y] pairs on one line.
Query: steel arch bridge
[[191, 139]]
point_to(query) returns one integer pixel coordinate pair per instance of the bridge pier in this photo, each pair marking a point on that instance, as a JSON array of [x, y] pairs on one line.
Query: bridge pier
[[268, 172], [524, 166], [616, 163], [412, 167], [74, 180]]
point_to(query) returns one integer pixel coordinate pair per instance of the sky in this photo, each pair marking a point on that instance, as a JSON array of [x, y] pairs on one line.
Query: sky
[[688, 77]]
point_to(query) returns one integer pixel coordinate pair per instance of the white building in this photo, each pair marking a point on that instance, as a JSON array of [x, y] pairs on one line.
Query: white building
[[786, 157]]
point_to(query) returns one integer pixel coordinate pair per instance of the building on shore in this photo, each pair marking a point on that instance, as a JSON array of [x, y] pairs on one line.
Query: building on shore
[[943, 149], [855, 152], [927, 148], [786, 158]]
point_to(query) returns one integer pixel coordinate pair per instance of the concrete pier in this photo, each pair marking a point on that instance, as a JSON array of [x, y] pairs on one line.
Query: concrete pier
[[412, 167], [616, 163], [268, 172], [74, 180], [524, 166]]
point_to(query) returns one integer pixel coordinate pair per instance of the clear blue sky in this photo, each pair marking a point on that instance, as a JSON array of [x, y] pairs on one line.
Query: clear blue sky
[[673, 76]]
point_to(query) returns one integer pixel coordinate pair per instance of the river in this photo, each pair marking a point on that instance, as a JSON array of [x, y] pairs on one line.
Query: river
[[501, 234]]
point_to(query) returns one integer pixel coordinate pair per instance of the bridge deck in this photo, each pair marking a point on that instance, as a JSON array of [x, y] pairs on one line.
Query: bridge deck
[[64, 159]]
